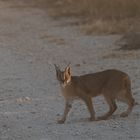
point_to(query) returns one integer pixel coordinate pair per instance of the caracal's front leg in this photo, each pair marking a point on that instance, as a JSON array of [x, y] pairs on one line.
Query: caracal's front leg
[[68, 106]]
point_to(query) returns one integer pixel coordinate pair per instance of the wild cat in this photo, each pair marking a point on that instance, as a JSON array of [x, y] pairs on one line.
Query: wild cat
[[112, 84]]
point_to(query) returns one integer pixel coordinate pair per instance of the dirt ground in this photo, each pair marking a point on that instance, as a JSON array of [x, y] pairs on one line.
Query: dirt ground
[[30, 98]]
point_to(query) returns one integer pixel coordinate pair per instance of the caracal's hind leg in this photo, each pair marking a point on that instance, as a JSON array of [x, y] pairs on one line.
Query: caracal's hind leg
[[112, 108], [130, 102], [88, 102]]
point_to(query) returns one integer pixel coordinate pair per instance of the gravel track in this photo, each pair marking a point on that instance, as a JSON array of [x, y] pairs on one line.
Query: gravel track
[[30, 99]]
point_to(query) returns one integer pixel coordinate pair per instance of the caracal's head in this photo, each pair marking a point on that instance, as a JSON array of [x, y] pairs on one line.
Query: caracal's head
[[64, 77]]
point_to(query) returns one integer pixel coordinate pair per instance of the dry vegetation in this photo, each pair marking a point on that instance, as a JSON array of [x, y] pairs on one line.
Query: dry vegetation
[[95, 16], [98, 8], [103, 16], [130, 41], [99, 16]]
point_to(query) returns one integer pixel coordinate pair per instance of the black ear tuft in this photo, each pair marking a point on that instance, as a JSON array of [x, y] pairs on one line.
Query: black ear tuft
[[58, 72], [56, 67]]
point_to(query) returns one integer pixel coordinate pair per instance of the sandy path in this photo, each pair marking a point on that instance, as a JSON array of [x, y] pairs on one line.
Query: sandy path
[[30, 43]]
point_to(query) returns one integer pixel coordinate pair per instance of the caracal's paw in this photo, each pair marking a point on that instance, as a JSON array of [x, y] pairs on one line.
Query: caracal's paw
[[101, 118], [124, 114], [61, 121], [92, 119]]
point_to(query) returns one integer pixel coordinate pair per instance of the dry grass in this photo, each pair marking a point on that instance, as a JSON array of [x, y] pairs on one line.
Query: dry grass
[[98, 8], [129, 54], [100, 26], [130, 41], [99, 16]]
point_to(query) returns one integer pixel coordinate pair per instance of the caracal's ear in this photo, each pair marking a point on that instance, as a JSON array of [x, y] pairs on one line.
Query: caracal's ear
[[67, 74], [56, 68], [58, 71]]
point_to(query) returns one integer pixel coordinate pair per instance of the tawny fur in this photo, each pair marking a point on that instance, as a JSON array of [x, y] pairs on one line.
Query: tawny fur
[[112, 84]]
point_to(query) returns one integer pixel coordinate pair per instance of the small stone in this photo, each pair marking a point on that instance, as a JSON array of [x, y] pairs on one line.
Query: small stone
[[29, 127], [58, 114], [4, 125], [33, 112]]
